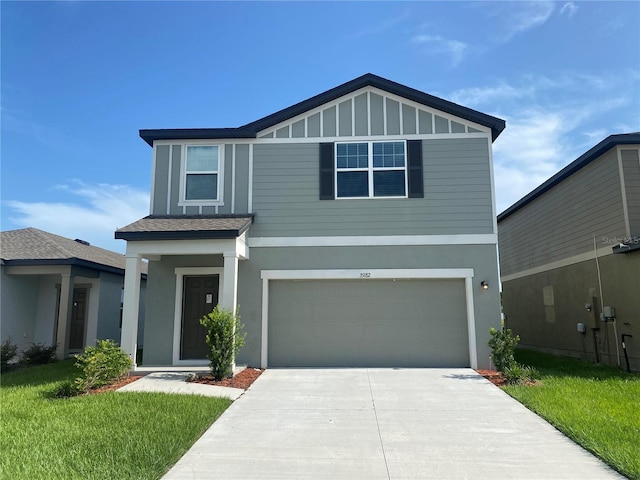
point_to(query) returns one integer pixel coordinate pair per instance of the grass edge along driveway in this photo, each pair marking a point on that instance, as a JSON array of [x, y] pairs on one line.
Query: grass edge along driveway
[[595, 405], [106, 436]]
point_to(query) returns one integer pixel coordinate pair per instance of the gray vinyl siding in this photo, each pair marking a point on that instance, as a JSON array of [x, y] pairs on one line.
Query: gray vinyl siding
[[393, 117], [408, 119], [631, 170], [562, 222], [313, 125], [457, 198], [297, 129], [361, 114], [161, 180], [344, 116], [174, 209], [167, 180], [425, 120], [242, 179], [377, 114], [329, 122], [442, 124]]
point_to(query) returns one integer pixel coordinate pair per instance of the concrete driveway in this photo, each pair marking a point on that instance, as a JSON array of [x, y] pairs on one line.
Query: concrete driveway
[[382, 424]]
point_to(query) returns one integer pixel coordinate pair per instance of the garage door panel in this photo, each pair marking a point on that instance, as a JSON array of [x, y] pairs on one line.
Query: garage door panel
[[403, 323]]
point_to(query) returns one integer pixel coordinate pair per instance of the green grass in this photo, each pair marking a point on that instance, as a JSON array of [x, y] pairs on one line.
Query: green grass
[[106, 436], [595, 405]]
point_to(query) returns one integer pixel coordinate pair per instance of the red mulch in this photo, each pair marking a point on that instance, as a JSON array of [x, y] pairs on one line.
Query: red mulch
[[116, 385], [242, 380], [494, 377]]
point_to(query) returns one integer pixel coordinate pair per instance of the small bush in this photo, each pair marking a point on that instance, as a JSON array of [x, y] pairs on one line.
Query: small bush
[[8, 352], [39, 354], [503, 345], [66, 389], [519, 373], [224, 339], [102, 365]]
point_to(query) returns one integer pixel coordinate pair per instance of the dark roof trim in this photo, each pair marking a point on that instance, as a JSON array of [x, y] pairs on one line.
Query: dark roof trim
[[180, 235], [74, 262], [582, 161], [250, 130], [627, 247]]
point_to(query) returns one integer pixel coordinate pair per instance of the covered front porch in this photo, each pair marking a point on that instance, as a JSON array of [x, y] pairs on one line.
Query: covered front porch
[[193, 263]]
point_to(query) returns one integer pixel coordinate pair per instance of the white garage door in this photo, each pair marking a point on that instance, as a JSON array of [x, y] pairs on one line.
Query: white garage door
[[367, 323]]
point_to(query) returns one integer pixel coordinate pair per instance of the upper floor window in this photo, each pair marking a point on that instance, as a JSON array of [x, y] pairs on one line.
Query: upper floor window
[[371, 169], [202, 172]]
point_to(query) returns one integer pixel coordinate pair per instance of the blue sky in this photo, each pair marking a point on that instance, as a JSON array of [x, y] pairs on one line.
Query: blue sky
[[80, 78]]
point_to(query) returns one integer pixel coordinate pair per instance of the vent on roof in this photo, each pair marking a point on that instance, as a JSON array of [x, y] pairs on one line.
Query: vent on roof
[[83, 242]]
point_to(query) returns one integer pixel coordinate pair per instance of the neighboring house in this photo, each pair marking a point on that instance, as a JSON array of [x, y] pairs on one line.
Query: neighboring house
[[55, 290], [352, 229], [571, 247]]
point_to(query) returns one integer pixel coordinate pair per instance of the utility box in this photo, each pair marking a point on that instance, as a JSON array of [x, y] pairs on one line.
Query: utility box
[[582, 328], [608, 314]]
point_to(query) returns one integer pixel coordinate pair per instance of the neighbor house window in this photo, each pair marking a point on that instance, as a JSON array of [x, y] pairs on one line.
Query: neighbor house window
[[202, 172], [371, 169]]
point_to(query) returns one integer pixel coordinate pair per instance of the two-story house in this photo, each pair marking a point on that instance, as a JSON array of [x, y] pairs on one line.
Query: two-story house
[[355, 228], [570, 248]]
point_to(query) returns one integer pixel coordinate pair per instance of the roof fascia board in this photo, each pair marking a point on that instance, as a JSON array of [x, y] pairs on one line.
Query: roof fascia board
[[582, 161], [249, 130], [64, 262], [180, 235]]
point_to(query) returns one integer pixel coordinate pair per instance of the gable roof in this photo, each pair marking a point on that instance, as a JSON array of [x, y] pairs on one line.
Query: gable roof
[[250, 130], [580, 162], [30, 246]]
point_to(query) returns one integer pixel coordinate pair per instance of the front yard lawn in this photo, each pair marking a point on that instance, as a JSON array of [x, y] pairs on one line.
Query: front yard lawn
[[105, 436], [595, 405]]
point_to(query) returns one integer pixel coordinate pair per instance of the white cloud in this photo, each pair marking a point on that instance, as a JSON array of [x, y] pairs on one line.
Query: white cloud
[[525, 16], [435, 44], [382, 27], [550, 122], [569, 8], [95, 215]]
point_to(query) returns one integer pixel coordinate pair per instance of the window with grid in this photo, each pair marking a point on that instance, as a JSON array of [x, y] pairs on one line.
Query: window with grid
[[202, 172], [371, 169]]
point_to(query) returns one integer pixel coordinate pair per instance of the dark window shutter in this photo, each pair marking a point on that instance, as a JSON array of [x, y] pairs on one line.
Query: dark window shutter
[[414, 163], [327, 168]]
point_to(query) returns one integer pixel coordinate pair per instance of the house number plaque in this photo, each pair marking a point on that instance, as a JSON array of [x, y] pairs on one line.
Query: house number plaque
[[365, 275], [209, 298]]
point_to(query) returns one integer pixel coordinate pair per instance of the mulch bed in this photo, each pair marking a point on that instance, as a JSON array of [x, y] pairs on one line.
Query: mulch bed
[[242, 380], [494, 377], [116, 385]]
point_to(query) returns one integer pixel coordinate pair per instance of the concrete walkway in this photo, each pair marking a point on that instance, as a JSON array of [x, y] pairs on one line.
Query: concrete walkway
[[382, 424], [175, 382]]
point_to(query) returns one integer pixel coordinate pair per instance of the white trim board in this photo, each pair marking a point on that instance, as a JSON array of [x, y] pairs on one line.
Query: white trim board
[[364, 275], [379, 240], [180, 273]]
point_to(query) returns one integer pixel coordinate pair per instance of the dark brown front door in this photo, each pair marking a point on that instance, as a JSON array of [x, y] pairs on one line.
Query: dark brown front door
[[78, 319], [199, 298]]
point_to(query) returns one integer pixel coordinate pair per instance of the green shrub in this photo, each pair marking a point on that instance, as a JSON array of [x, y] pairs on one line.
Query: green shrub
[[503, 345], [519, 373], [102, 365], [66, 389], [224, 340], [39, 354], [8, 352]]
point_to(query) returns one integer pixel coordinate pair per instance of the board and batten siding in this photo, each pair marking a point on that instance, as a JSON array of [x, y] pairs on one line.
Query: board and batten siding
[[631, 173], [167, 179], [457, 195], [370, 111], [561, 222]]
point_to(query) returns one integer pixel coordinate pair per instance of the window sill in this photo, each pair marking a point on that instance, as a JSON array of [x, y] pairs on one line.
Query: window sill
[[201, 203]]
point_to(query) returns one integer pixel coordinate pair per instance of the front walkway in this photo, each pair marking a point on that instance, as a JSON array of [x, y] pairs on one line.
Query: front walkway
[[382, 424]]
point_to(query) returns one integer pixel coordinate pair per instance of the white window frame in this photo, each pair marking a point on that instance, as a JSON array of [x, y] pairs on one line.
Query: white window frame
[[219, 201], [370, 169]]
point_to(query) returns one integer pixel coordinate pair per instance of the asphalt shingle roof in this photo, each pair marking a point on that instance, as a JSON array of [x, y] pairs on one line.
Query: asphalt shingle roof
[[177, 227], [30, 246]]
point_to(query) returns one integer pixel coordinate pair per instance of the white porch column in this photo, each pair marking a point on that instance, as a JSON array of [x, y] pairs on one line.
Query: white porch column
[[230, 282], [128, 340], [64, 315]]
